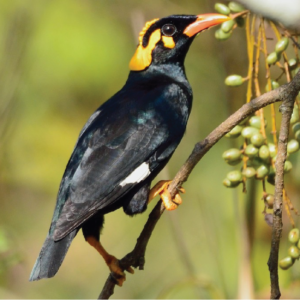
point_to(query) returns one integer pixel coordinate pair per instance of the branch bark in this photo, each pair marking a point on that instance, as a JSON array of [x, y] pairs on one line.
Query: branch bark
[[286, 109], [287, 93]]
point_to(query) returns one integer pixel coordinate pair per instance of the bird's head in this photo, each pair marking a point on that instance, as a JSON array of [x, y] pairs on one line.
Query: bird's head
[[167, 40]]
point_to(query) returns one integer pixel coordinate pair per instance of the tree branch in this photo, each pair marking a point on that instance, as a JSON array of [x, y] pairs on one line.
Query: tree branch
[[136, 258], [286, 109]]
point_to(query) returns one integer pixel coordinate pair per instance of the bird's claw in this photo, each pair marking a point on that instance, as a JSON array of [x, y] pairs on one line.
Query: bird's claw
[[161, 188], [117, 272]]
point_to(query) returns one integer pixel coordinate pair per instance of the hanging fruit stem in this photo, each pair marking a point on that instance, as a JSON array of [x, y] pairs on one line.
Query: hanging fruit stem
[[240, 14], [273, 113], [286, 202], [287, 71], [256, 82], [250, 45], [277, 33], [286, 66], [256, 69], [291, 206], [264, 196]]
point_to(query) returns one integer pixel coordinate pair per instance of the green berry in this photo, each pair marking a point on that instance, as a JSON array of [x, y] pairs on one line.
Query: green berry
[[251, 151], [234, 132], [269, 200], [264, 152], [274, 85], [222, 9], [295, 115], [273, 58], [292, 146], [235, 7], [272, 150], [229, 184], [232, 155], [255, 122], [249, 172], [234, 80], [298, 244], [294, 236], [221, 35], [235, 176], [296, 127], [281, 45], [286, 263], [297, 135], [257, 139], [248, 131], [294, 252], [262, 172], [287, 166], [228, 25], [293, 63]]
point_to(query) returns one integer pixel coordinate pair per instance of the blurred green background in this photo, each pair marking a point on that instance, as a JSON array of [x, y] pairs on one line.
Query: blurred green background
[[59, 61]]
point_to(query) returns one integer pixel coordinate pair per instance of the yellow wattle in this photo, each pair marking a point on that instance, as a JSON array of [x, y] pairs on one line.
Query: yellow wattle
[[168, 42], [142, 57]]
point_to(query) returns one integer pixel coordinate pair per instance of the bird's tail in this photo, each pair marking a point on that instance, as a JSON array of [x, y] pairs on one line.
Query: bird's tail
[[51, 256]]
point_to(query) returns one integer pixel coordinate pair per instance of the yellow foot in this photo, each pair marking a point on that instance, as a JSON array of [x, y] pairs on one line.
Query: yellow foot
[[117, 272], [112, 262], [161, 188]]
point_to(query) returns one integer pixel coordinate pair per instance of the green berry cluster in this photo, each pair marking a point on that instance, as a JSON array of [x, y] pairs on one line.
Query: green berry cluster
[[225, 31], [237, 80], [280, 46], [272, 58], [258, 154], [294, 250], [294, 143]]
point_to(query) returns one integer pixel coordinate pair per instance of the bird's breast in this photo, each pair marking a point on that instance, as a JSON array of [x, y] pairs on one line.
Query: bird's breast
[[176, 104]]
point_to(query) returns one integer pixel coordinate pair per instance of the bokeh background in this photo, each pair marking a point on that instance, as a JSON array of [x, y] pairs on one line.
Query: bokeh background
[[59, 61]]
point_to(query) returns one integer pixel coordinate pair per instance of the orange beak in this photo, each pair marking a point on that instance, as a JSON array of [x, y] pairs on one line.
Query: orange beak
[[205, 21]]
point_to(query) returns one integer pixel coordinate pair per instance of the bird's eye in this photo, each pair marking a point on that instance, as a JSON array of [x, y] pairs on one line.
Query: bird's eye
[[168, 30]]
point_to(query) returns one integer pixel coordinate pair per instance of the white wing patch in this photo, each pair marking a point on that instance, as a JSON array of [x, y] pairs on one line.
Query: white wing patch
[[137, 175]]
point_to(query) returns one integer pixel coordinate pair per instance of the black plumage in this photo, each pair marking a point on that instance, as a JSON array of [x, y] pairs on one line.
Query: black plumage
[[125, 143]]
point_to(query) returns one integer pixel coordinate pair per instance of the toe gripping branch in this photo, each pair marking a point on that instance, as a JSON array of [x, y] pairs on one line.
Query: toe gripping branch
[[117, 272], [161, 188]]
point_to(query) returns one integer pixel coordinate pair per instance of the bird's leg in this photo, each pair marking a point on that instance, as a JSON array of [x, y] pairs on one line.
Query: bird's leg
[[161, 188], [111, 261]]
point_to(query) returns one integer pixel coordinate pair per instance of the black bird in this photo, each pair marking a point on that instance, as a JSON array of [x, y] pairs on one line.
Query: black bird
[[126, 142]]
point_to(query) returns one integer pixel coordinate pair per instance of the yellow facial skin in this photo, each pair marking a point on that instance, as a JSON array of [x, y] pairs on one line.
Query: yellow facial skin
[[142, 57], [168, 42]]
